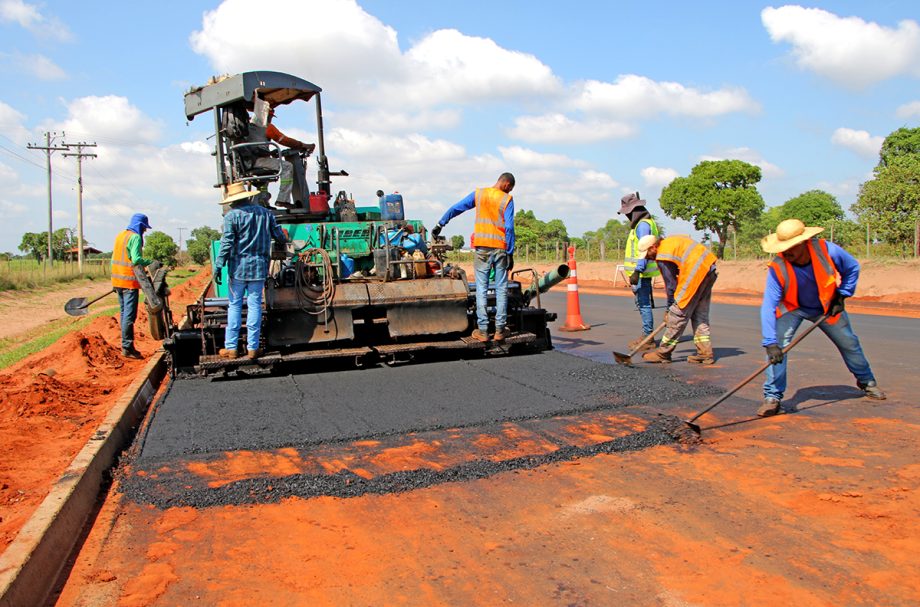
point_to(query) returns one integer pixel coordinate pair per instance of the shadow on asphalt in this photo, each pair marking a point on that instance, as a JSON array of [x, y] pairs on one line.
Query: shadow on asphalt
[[786, 411], [728, 352], [575, 342], [838, 392]]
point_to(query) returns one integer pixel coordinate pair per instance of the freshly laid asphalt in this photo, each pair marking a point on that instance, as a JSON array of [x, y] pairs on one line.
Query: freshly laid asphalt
[[205, 416]]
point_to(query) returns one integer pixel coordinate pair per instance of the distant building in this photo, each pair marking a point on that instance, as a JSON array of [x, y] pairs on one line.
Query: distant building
[[71, 254]]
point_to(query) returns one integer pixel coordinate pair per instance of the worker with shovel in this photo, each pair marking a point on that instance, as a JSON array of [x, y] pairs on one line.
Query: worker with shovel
[[125, 255], [802, 285], [640, 270], [689, 271]]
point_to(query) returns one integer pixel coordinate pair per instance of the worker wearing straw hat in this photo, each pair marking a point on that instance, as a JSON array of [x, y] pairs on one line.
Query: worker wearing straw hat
[[245, 248], [808, 277]]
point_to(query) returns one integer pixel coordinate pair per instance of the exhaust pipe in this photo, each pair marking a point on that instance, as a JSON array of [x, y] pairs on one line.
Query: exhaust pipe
[[549, 280]]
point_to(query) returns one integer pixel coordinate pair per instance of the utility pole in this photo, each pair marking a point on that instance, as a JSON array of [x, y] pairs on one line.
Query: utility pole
[[180, 237], [80, 155], [48, 148]]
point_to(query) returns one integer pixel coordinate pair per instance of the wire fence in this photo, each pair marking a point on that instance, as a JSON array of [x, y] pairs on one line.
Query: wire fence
[[16, 274]]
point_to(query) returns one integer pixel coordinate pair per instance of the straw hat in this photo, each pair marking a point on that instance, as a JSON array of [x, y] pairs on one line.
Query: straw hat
[[237, 191], [646, 242], [788, 234]]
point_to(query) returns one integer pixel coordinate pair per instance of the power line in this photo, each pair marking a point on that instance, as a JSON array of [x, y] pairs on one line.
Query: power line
[[48, 149]]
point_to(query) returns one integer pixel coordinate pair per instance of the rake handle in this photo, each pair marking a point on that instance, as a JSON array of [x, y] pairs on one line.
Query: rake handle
[[762, 368]]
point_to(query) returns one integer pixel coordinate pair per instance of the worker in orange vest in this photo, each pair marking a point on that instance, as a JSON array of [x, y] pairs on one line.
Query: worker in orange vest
[[802, 284], [689, 271], [126, 254], [494, 250]]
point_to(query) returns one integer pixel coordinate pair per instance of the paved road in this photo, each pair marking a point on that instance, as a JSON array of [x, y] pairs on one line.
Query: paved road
[[519, 505]]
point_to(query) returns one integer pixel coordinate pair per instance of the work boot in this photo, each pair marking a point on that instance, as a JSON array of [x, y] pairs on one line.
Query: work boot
[[651, 345], [254, 354], [224, 353], [502, 333], [480, 336], [704, 355], [770, 406], [871, 389], [657, 357], [131, 353]]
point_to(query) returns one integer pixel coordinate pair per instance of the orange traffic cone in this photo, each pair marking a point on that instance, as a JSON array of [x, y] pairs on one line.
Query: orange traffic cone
[[573, 321]]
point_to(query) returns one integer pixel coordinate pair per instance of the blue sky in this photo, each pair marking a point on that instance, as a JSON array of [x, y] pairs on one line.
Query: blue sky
[[583, 101]]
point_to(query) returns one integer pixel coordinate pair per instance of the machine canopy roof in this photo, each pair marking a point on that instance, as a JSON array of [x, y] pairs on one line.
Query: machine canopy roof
[[274, 87]]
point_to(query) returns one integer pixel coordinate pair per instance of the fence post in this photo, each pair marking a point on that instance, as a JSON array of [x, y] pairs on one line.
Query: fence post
[[603, 252], [832, 231], [917, 239], [867, 240]]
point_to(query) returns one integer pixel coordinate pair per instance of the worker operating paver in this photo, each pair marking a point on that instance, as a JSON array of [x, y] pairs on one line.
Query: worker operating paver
[[802, 285], [689, 271], [494, 237]]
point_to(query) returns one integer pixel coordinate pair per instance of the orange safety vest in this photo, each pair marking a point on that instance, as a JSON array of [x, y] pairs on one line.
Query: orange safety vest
[[825, 276], [693, 262], [489, 229], [122, 268]]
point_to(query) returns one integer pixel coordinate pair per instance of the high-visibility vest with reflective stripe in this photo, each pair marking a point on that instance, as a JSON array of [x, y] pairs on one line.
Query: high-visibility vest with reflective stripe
[[825, 278], [489, 229], [693, 261], [122, 268], [632, 251]]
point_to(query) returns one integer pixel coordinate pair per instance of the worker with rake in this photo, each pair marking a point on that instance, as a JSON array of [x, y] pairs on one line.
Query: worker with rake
[[689, 271], [802, 284]]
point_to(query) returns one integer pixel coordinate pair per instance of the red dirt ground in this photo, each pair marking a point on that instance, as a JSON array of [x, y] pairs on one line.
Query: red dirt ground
[[52, 401]]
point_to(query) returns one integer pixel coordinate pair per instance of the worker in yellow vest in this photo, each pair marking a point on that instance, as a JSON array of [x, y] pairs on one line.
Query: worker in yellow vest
[[689, 271], [125, 255], [640, 270], [494, 250]]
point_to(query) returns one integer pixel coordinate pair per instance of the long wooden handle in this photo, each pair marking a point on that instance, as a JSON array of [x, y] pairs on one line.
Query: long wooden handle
[[763, 368]]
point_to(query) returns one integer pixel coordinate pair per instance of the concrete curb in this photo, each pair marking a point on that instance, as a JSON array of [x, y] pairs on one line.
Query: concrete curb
[[31, 564]]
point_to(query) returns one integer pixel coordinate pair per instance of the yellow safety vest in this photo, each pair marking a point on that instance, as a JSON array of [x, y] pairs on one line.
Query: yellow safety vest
[[489, 229], [632, 251], [122, 268]]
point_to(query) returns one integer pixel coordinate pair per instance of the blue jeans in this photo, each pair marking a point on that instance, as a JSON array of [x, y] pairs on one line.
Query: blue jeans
[[252, 290], [483, 262], [841, 333], [127, 301], [643, 293]]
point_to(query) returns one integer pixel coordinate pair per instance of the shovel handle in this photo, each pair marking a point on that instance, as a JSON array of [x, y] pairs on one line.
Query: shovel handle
[[92, 301], [647, 339], [762, 368]]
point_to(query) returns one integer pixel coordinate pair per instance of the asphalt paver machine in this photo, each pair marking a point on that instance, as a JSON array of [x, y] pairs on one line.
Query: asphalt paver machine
[[359, 282]]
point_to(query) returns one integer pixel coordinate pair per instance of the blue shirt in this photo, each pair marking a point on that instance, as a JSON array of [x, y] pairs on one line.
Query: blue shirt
[[809, 303], [245, 245], [470, 203]]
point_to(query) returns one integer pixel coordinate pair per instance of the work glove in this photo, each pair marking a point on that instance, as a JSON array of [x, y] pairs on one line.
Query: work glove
[[774, 353], [510, 262], [218, 279], [634, 278], [436, 230], [836, 306]]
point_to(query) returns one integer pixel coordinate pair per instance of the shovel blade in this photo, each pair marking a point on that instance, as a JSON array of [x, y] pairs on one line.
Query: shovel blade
[[76, 306], [694, 427], [623, 359]]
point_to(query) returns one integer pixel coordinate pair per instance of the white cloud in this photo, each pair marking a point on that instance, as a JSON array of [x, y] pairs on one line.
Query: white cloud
[[848, 50], [446, 66], [640, 97], [30, 18], [768, 169], [518, 157], [109, 118], [658, 178], [12, 124], [38, 66], [559, 128], [860, 142], [386, 121], [909, 110]]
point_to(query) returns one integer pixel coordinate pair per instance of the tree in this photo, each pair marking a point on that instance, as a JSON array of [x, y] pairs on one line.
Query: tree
[[813, 208], [613, 234], [34, 244], [528, 230], [890, 201], [199, 243], [457, 242], [902, 142], [717, 194], [162, 247]]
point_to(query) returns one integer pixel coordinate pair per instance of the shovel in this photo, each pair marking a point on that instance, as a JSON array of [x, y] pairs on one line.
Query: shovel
[[626, 359], [77, 306], [748, 379]]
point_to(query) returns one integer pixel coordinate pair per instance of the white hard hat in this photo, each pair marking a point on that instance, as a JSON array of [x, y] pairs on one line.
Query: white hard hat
[[646, 242]]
